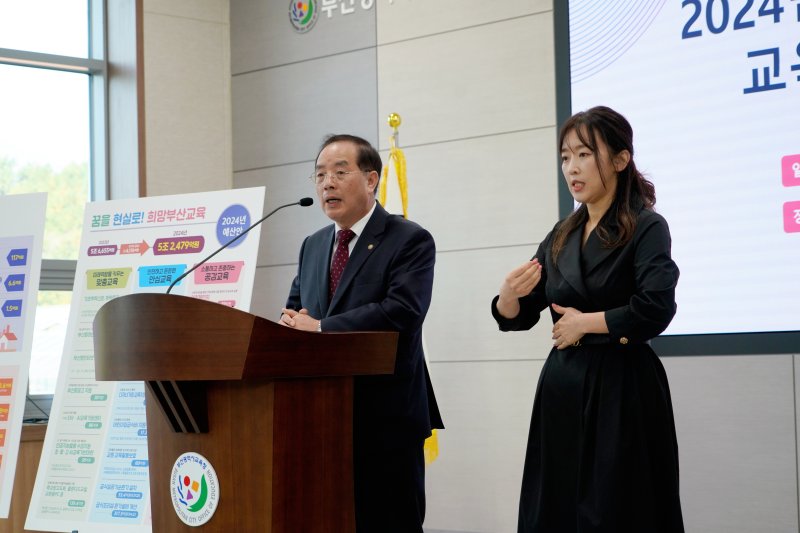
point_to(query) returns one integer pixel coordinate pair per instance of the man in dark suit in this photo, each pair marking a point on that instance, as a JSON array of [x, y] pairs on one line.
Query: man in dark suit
[[377, 276]]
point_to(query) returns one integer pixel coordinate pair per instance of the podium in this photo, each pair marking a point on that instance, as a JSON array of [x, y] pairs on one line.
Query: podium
[[269, 407]]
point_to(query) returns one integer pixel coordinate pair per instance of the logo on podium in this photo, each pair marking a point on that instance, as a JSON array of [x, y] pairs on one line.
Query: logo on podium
[[194, 489]]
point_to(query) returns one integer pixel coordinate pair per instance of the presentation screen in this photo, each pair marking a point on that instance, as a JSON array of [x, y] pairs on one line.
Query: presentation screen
[[712, 89]]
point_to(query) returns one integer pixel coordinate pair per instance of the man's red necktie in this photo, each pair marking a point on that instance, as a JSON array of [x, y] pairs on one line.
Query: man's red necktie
[[340, 257]]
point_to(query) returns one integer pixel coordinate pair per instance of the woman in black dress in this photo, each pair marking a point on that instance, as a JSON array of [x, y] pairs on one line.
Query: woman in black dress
[[602, 452]]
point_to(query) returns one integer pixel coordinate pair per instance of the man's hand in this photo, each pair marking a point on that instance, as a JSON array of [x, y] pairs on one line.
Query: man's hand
[[298, 320]]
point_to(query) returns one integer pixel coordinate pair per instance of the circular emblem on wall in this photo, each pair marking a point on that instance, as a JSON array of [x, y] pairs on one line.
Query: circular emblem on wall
[[303, 14], [194, 489]]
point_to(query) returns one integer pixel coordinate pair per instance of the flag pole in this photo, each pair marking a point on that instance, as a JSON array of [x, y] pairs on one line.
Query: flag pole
[[398, 159]]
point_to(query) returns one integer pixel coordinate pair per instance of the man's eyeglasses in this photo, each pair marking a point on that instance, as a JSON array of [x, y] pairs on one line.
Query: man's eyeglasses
[[337, 175]]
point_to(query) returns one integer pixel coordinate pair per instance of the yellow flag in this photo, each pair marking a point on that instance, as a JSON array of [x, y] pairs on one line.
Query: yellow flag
[[398, 158]]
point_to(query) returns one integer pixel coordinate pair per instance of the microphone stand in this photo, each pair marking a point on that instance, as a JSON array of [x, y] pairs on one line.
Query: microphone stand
[[305, 202]]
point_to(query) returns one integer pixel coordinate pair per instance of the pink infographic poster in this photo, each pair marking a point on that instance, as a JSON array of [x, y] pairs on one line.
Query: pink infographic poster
[[93, 473], [22, 219]]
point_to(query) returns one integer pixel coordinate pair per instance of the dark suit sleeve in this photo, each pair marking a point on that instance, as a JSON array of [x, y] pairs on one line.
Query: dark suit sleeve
[[530, 306], [652, 305], [407, 295], [294, 301]]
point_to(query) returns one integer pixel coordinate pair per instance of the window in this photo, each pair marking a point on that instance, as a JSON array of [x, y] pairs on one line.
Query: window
[[46, 26], [53, 74]]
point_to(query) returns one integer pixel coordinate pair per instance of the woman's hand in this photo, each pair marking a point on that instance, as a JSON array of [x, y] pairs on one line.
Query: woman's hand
[[518, 283], [570, 327]]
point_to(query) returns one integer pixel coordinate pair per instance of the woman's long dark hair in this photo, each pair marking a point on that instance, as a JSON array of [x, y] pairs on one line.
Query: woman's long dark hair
[[593, 126]]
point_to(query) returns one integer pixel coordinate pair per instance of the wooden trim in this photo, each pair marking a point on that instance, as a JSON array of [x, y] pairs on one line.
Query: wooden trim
[[30, 450], [33, 432]]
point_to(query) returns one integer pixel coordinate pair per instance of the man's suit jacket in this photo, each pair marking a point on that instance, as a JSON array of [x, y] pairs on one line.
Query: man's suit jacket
[[386, 286]]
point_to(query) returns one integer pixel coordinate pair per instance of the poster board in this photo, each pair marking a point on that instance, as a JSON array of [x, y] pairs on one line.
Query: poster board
[[93, 474], [22, 219]]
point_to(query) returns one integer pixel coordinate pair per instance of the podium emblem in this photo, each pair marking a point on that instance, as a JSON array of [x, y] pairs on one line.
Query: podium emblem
[[194, 489]]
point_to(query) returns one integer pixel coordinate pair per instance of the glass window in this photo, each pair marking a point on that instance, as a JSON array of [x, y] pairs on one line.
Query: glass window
[[52, 107], [52, 313], [46, 26], [44, 147]]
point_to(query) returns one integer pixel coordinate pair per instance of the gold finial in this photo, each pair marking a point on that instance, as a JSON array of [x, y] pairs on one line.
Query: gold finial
[[394, 120]]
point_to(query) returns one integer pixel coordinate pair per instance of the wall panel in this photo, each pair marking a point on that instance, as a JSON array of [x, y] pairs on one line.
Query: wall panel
[[796, 365], [460, 327], [187, 101], [474, 484], [404, 20], [735, 420], [283, 233], [488, 187], [265, 36], [201, 10], [280, 115], [271, 289], [489, 79]]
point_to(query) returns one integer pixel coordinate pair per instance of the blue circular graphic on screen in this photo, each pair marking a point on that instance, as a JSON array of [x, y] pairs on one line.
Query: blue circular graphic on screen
[[232, 223]]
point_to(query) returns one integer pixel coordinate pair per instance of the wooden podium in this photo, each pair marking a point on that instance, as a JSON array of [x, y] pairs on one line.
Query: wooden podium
[[268, 406]]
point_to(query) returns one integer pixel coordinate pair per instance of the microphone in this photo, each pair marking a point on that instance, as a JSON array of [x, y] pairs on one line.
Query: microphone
[[303, 202]]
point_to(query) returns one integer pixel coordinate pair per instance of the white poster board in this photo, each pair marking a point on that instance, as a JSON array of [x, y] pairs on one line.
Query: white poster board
[[93, 474], [22, 219]]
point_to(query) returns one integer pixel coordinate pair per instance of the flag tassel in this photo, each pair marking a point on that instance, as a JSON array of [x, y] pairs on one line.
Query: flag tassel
[[398, 159]]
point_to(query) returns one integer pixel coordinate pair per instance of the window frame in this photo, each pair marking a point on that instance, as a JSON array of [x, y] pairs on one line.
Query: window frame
[[95, 65]]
